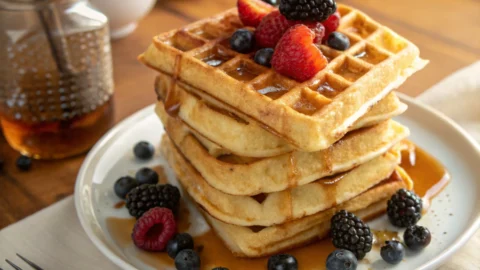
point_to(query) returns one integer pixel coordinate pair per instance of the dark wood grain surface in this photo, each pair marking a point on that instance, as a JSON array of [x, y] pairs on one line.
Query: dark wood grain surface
[[445, 30]]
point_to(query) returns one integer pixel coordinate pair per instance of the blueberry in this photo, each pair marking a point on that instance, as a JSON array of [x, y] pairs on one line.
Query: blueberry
[[272, 2], [146, 176], [282, 262], [264, 56], [242, 41], [144, 150], [187, 259], [392, 252], [341, 259], [123, 185], [24, 163], [417, 237], [178, 243], [338, 41]]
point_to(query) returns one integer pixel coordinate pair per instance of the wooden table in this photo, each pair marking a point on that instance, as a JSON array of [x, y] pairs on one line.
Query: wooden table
[[445, 30]]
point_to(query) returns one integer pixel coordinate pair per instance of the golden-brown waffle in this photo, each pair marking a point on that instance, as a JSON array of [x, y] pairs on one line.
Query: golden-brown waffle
[[258, 241], [277, 173], [279, 207], [242, 135], [309, 115]]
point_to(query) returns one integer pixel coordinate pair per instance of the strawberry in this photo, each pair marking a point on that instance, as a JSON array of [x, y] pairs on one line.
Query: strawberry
[[331, 24], [274, 25], [251, 12], [296, 55]]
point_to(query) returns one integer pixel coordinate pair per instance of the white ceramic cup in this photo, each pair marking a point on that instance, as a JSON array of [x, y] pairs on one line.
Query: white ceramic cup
[[123, 15]]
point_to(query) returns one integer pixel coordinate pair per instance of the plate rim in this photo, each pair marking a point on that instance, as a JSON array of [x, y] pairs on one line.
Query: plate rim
[[144, 112]]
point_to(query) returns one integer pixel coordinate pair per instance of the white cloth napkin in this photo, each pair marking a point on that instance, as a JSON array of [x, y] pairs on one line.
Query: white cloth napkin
[[54, 238]]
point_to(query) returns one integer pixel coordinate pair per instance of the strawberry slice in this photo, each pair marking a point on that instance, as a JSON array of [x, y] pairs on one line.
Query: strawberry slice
[[331, 24], [274, 25], [296, 55], [251, 12]]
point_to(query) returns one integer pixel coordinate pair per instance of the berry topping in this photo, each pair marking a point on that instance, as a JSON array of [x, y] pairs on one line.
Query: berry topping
[[417, 237], [146, 176], [251, 12], [296, 55], [392, 252], [282, 262], [274, 25], [303, 10], [404, 208], [154, 229], [341, 259], [349, 232], [338, 41], [145, 197], [331, 24], [242, 41], [178, 243], [124, 185], [144, 150], [271, 29], [187, 259], [264, 56], [272, 2], [24, 163]]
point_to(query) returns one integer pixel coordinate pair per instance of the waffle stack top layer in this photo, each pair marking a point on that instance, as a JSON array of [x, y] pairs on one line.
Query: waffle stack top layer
[[310, 115]]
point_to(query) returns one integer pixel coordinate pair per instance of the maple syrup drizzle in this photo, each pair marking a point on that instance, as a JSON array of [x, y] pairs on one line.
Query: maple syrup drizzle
[[172, 100], [428, 176], [381, 236]]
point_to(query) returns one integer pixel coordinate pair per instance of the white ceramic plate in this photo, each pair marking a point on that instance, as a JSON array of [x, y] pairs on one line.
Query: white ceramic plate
[[112, 158]]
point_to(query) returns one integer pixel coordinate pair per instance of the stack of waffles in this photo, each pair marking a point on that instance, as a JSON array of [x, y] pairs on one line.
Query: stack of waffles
[[267, 159]]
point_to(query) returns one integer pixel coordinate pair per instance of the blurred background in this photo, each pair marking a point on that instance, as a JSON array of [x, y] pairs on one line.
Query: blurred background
[[445, 30]]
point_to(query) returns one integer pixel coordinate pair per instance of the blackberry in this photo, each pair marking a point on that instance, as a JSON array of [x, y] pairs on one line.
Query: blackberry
[[145, 197], [404, 208], [308, 10], [351, 233]]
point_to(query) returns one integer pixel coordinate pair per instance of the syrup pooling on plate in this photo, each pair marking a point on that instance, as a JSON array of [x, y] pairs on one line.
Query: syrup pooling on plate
[[428, 176]]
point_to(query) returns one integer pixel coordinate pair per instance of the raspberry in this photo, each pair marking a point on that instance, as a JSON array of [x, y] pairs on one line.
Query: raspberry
[[296, 55], [251, 12], [331, 24], [154, 229], [271, 29], [274, 25]]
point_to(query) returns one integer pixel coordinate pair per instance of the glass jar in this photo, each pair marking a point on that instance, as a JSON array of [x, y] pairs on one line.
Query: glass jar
[[56, 81]]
